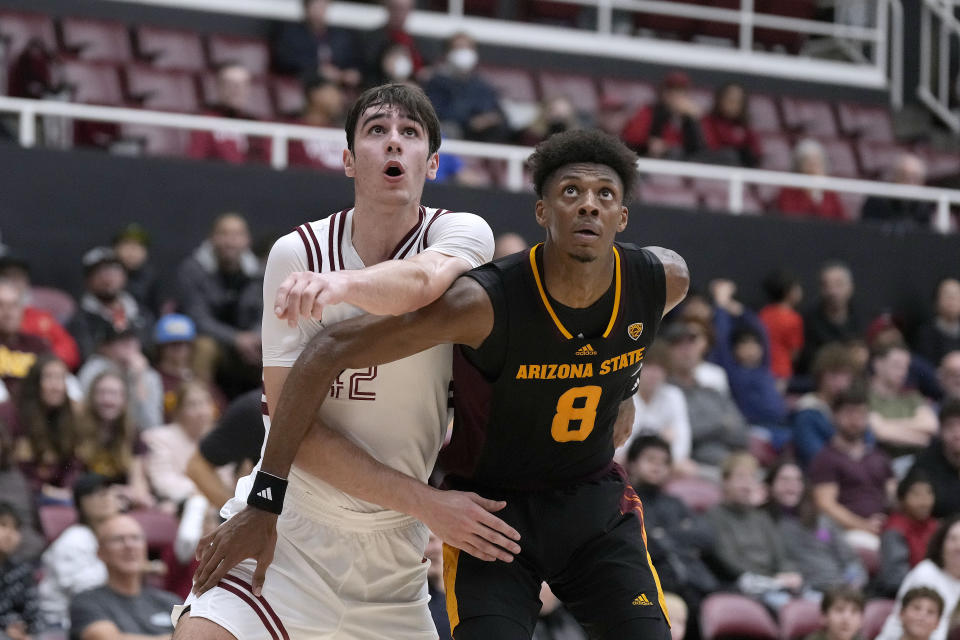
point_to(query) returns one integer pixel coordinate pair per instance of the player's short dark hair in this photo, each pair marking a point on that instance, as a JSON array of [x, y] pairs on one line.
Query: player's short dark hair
[[939, 537], [409, 100], [949, 410], [842, 594], [583, 146], [777, 284], [644, 442], [7, 511], [855, 396], [922, 592], [916, 475]]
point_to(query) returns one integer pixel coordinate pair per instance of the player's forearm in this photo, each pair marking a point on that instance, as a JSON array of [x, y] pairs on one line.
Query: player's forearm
[[391, 288], [332, 457]]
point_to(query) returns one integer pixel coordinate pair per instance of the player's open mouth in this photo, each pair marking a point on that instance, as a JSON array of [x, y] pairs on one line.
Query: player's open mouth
[[586, 234], [393, 170]]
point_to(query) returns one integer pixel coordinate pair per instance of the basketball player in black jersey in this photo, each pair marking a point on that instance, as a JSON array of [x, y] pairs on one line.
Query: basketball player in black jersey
[[551, 342]]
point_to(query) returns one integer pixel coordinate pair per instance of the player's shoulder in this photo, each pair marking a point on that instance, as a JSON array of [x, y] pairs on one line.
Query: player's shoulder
[[442, 216], [303, 242]]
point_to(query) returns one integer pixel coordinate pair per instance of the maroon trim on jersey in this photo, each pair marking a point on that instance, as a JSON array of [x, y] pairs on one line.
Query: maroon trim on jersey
[[248, 588], [306, 245], [426, 232], [395, 254], [343, 225], [264, 409], [316, 245], [472, 397]]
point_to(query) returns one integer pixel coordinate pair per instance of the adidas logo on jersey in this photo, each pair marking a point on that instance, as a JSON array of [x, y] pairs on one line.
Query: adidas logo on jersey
[[586, 350], [641, 601], [266, 494]]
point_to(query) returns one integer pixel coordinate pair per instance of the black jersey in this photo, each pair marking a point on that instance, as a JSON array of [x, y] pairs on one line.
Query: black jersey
[[536, 404]]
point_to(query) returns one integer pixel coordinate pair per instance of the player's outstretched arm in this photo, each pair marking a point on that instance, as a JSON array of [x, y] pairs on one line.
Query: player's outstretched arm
[[677, 275]]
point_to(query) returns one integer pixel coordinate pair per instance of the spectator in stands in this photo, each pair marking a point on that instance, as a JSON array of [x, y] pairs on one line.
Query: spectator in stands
[[467, 105], [110, 442], [716, 425], [174, 337], [314, 48], [106, 305], [120, 353], [16, 492], [852, 480], [18, 350], [941, 334], [233, 101], [812, 419], [554, 622], [33, 72], [901, 419], [783, 324], [45, 424], [678, 540], [812, 543], [236, 440], [920, 613], [941, 461], [896, 215], [221, 289], [750, 549], [394, 32], [36, 321], [395, 65], [907, 532], [661, 409], [70, 564], [325, 107], [124, 606], [842, 613], [832, 319], [726, 128], [132, 246], [884, 331], [697, 320], [509, 243], [743, 351], [810, 158], [679, 614], [939, 571], [19, 606], [556, 114], [170, 447], [671, 127], [948, 375]]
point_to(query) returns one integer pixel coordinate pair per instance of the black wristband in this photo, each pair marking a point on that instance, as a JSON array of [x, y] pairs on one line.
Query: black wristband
[[267, 493]]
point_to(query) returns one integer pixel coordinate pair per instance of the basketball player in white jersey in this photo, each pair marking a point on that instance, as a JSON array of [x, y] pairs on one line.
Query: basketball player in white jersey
[[340, 565]]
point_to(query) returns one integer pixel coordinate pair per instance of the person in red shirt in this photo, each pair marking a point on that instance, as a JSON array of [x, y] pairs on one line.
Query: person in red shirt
[[36, 321], [233, 98], [784, 325], [810, 158], [726, 129], [907, 532], [394, 32], [671, 127]]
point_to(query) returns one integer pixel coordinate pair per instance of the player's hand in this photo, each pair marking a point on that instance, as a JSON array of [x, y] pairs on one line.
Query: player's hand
[[252, 533], [306, 293], [466, 521]]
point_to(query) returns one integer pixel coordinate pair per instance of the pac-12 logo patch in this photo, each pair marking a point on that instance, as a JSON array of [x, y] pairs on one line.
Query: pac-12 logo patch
[[635, 330]]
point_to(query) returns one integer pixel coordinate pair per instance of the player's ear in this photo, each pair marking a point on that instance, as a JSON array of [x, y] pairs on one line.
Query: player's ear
[[541, 214], [624, 216], [433, 163], [348, 169]]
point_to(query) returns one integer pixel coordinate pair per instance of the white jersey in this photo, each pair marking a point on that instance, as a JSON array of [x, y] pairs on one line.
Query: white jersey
[[397, 412]]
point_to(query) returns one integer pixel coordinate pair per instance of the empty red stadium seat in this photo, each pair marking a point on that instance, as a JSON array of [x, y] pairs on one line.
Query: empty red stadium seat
[[630, 93], [157, 141], [669, 196], [764, 117], [287, 95], [876, 157], [164, 90], [812, 117], [96, 39], [866, 122], [159, 526], [798, 619], [717, 29], [789, 39], [170, 48], [777, 152], [841, 160], [580, 90], [17, 29], [874, 615], [57, 302], [699, 494], [54, 518], [93, 82], [940, 163], [511, 83], [249, 52], [728, 615], [260, 104]]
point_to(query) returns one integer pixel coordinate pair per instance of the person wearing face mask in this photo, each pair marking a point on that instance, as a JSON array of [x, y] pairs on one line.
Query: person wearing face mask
[[395, 66], [468, 107]]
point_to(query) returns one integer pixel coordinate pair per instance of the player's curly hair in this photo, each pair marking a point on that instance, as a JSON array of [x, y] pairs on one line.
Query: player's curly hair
[[409, 99], [579, 146]]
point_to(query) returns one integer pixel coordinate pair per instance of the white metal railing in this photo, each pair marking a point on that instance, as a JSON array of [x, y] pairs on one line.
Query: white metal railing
[[514, 156], [938, 27], [883, 70]]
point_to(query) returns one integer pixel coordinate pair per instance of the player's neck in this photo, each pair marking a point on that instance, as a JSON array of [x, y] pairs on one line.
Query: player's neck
[[574, 283], [377, 229]]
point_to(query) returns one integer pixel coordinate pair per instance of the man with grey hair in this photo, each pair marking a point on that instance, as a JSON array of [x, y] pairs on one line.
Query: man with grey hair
[[810, 158], [896, 215]]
